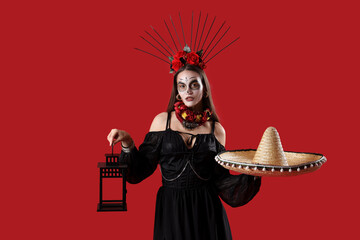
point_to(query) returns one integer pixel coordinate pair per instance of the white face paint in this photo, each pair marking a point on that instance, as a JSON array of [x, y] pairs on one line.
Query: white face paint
[[190, 88]]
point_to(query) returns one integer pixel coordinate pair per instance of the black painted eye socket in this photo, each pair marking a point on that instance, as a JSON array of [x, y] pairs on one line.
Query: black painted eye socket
[[194, 85]]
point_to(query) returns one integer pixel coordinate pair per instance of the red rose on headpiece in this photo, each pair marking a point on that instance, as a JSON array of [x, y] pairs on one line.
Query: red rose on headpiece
[[192, 58], [176, 64], [202, 65], [185, 57], [179, 55]]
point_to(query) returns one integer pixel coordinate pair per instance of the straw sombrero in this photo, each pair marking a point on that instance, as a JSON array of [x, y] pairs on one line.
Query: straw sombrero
[[270, 159]]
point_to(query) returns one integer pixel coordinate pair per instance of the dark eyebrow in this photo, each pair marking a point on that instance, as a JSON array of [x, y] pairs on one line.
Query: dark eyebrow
[[191, 82], [194, 81]]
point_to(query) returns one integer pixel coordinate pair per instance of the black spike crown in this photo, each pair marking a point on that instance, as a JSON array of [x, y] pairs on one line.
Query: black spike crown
[[198, 55]]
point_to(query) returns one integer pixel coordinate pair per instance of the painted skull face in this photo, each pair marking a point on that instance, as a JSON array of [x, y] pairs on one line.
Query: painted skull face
[[190, 88]]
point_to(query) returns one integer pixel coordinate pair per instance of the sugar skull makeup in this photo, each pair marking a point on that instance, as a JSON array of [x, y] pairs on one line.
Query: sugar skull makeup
[[190, 88]]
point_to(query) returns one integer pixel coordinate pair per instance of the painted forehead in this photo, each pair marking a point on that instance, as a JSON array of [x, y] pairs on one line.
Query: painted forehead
[[187, 76], [187, 79]]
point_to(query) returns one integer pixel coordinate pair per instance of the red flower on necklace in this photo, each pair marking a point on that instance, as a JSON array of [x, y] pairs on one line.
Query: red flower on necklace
[[189, 118]]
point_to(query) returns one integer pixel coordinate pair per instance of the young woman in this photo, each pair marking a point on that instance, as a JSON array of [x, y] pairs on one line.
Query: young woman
[[184, 141]]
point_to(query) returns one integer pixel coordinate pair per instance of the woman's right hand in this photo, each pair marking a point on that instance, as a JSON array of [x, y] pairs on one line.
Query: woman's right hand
[[117, 135]]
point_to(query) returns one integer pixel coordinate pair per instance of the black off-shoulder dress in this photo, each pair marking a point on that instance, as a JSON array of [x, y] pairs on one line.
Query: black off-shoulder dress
[[187, 204]]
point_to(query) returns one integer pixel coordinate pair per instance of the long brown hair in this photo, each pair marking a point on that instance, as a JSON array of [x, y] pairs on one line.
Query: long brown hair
[[206, 100]]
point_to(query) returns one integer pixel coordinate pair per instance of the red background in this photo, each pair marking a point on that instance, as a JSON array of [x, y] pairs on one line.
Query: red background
[[69, 74]]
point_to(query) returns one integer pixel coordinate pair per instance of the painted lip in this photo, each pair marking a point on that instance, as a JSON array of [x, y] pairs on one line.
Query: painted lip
[[189, 99]]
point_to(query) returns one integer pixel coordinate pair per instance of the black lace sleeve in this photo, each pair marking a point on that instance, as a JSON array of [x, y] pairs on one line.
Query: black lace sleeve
[[142, 162], [235, 190]]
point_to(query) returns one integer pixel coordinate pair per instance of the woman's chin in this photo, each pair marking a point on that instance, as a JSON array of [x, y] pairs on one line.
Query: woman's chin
[[192, 104], [189, 105]]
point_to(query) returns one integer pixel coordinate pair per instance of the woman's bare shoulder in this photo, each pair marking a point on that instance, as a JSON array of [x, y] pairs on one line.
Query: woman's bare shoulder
[[159, 122], [220, 134]]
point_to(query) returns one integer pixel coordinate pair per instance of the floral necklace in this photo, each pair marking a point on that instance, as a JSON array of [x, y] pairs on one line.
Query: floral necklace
[[188, 118]]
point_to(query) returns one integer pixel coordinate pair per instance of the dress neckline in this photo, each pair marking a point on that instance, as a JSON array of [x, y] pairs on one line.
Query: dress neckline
[[212, 133], [189, 133], [192, 146], [177, 132]]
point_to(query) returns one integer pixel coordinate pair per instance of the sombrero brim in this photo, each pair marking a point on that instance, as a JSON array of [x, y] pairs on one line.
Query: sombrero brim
[[242, 161]]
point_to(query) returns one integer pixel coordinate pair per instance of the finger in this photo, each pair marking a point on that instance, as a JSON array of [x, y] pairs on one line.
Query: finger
[[116, 140], [112, 136], [111, 133], [109, 138]]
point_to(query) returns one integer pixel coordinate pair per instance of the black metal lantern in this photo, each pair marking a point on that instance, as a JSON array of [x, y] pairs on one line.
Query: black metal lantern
[[112, 168]]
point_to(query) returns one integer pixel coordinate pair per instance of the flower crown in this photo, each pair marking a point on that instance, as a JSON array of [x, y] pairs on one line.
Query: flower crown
[[186, 56]]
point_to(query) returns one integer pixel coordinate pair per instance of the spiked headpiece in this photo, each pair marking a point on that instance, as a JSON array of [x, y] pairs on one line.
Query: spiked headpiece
[[198, 52]]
